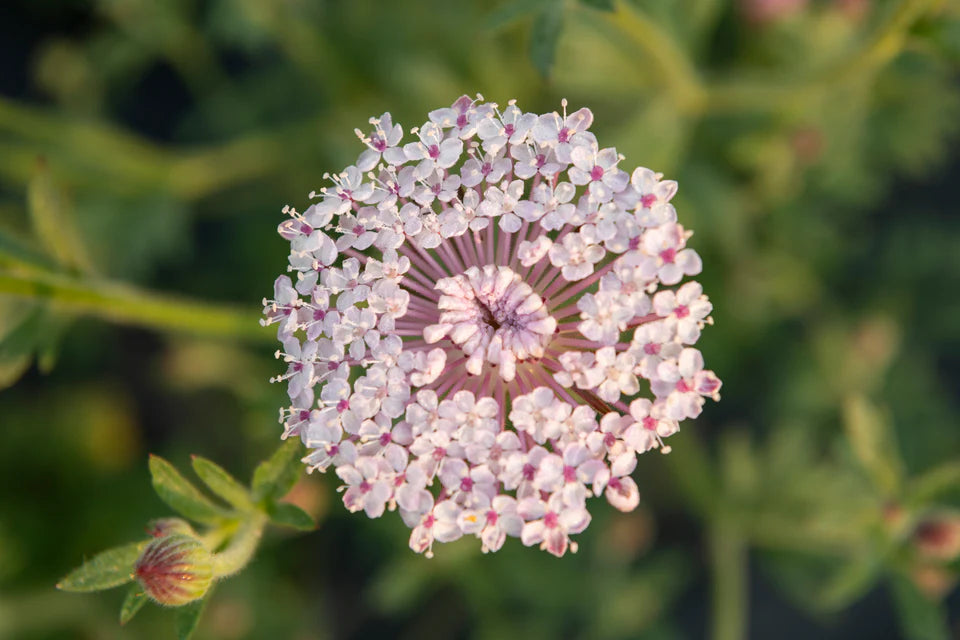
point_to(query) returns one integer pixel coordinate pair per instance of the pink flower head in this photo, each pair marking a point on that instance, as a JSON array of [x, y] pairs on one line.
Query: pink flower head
[[487, 325]]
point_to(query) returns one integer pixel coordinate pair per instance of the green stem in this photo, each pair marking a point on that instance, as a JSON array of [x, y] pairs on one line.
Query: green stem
[[126, 305], [241, 547], [84, 146], [728, 556], [676, 70]]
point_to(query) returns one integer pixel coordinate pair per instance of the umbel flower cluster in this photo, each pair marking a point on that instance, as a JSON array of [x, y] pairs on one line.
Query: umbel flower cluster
[[473, 310]]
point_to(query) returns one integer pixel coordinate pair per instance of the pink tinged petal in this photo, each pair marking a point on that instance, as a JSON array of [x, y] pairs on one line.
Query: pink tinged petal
[[576, 519], [532, 533], [670, 273], [689, 262], [623, 494], [689, 362], [531, 508], [555, 542]]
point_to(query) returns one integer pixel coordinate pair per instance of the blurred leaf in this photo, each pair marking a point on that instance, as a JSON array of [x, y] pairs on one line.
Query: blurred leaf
[[180, 495], [274, 478], [222, 483], [290, 515], [872, 441], [930, 485], [134, 601], [53, 222], [108, 569], [849, 582], [512, 11], [920, 618], [13, 251], [187, 617], [603, 5], [693, 472], [547, 25]]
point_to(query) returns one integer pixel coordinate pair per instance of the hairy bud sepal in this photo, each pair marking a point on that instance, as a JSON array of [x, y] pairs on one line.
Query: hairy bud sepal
[[174, 570]]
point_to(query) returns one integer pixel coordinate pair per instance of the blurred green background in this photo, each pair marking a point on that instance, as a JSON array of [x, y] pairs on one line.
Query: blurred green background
[[146, 149]]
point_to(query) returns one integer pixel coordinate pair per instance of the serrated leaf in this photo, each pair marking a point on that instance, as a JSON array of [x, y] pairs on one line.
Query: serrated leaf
[[180, 495], [290, 515], [132, 604], [603, 5], [53, 222], [920, 618], [222, 483], [273, 478], [107, 569], [544, 35], [873, 443], [187, 617]]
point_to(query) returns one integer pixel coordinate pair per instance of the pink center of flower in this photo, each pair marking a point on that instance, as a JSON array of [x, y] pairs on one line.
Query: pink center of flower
[[569, 474], [365, 487], [494, 317], [682, 311], [596, 173], [439, 453], [668, 255], [466, 484], [491, 517], [434, 151], [385, 439], [651, 348], [529, 471], [648, 200], [609, 440], [343, 405], [683, 387], [563, 135], [551, 520], [304, 416], [614, 484], [650, 423]]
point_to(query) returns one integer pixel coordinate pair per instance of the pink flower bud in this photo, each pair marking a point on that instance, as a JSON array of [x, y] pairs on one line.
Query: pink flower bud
[[174, 569], [938, 536], [167, 526]]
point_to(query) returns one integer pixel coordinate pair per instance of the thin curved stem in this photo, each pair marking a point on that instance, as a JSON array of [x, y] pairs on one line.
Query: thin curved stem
[[126, 305]]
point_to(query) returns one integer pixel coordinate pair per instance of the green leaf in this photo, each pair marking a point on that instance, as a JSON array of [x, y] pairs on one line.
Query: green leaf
[[14, 252], [547, 25], [132, 604], [274, 478], [222, 483], [873, 443], [187, 617], [182, 496], [510, 12], [290, 515], [934, 483], [108, 569], [920, 618], [603, 5], [53, 222], [851, 581]]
